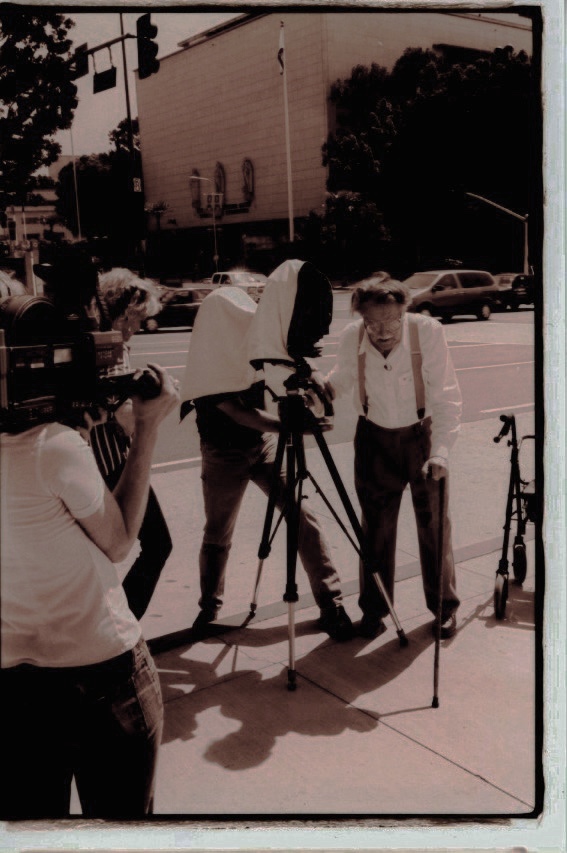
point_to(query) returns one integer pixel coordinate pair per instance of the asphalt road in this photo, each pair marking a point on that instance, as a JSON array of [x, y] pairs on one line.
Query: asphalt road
[[495, 371]]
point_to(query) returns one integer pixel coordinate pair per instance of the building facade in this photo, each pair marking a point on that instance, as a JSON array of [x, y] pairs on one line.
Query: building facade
[[212, 121]]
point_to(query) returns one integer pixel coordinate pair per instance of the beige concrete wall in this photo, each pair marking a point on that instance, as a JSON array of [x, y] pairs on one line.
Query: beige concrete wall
[[222, 100]]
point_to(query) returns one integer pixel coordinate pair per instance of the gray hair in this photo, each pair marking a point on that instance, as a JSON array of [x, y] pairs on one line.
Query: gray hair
[[379, 289], [122, 290]]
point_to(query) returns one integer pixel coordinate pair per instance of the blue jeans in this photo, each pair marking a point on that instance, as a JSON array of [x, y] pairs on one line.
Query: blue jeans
[[225, 476], [101, 724]]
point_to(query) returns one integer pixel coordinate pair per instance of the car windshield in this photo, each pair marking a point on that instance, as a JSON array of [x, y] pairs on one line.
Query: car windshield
[[420, 280]]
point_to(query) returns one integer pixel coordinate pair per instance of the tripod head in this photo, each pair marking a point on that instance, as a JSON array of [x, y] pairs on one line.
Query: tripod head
[[304, 403]]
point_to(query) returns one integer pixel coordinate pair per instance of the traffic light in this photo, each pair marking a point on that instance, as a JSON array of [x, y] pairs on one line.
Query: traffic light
[[12, 229], [80, 62], [147, 48]]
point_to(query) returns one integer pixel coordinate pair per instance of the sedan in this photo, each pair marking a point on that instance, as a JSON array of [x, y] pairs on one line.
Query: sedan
[[515, 289], [179, 307]]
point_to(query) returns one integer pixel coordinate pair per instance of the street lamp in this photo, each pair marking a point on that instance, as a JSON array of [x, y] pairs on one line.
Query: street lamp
[[519, 216], [210, 181]]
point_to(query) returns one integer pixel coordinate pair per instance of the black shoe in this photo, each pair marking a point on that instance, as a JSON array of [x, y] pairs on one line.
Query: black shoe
[[371, 626], [336, 623], [448, 627], [203, 621]]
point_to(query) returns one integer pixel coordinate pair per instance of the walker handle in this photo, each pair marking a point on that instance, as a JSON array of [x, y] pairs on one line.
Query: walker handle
[[507, 421]]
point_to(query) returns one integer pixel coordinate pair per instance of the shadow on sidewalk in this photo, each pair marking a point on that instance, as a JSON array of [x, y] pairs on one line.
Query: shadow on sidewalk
[[264, 708]]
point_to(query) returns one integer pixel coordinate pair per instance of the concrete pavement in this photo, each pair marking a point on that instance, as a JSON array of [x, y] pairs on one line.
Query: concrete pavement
[[359, 736]]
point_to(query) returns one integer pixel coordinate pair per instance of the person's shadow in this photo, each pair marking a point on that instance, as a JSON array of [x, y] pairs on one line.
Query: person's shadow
[[264, 708]]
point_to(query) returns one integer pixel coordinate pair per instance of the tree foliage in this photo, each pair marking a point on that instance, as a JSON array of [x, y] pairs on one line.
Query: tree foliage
[[37, 95], [413, 140], [120, 136], [109, 211]]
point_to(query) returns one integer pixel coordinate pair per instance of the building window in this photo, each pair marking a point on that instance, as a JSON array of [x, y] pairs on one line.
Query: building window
[[248, 180], [220, 180]]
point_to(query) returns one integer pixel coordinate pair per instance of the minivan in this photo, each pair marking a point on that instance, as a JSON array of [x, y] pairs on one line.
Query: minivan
[[445, 293]]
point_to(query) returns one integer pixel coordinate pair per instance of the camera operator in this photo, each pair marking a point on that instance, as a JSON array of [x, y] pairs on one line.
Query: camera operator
[[236, 431], [81, 695], [409, 404], [129, 300]]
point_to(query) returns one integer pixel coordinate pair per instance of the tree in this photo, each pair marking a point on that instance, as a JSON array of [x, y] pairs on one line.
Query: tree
[[120, 137], [37, 95], [413, 140]]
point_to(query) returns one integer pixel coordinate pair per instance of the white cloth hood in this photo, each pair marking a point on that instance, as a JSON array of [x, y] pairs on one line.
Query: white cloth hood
[[270, 326], [218, 357]]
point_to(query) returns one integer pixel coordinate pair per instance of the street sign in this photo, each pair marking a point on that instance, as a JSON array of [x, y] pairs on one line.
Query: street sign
[[104, 80]]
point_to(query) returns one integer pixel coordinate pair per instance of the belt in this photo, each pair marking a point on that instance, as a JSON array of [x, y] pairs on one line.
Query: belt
[[417, 427], [122, 664]]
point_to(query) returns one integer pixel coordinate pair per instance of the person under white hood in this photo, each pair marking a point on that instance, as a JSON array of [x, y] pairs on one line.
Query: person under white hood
[[238, 446], [294, 313]]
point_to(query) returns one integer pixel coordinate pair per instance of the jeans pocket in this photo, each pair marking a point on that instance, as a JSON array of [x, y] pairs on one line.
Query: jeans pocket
[[137, 705]]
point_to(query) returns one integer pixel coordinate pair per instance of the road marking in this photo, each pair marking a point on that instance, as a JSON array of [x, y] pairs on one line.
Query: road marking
[[491, 366], [506, 408], [176, 462]]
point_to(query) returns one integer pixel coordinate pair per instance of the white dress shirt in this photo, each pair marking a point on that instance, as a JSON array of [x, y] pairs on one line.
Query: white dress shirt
[[389, 383]]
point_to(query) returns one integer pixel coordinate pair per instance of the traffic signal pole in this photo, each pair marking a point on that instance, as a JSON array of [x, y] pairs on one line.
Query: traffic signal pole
[[148, 64]]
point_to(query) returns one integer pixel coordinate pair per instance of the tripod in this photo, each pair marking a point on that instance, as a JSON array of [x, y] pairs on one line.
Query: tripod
[[295, 418]]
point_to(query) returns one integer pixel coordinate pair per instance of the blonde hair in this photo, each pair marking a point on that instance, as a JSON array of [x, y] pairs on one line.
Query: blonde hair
[[122, 291]]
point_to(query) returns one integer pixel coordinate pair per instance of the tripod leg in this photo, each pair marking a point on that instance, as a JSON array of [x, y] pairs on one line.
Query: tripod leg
[[293, 504], [435, 701], [265, 542], [356, 526]]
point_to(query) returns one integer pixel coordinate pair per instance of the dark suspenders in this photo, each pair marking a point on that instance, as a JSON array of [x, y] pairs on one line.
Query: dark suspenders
[[416, 362]]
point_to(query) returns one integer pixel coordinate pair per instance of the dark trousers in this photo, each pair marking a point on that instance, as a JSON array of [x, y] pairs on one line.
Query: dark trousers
[[155, 541], [225, 476], [156, 545], [386, 460], [101, 724]]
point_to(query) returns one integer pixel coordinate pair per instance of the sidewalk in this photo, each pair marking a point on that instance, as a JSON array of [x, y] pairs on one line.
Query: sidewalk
[[359, 736]]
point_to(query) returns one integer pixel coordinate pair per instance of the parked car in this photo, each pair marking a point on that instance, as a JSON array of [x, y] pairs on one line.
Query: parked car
[[446, 293], [252, 282], [179, 307], [515, 289]]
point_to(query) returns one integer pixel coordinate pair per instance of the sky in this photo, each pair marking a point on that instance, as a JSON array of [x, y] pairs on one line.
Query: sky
[[98, 114]]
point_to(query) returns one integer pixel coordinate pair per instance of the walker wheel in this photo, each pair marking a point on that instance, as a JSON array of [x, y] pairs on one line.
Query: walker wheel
[[520, 563], [500, 596]]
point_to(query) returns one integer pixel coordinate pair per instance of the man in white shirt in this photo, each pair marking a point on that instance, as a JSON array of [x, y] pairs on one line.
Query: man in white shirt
[[408, 399]]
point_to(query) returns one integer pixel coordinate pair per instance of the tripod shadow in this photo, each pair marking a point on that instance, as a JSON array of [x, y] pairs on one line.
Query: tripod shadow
[[263, 709]]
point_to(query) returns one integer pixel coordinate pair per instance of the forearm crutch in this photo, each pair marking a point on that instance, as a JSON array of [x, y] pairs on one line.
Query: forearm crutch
[[440, 545]]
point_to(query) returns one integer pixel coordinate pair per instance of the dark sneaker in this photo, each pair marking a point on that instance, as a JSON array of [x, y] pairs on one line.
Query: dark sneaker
[[371, 626], [203, 620], [448, 627], [336, 623]]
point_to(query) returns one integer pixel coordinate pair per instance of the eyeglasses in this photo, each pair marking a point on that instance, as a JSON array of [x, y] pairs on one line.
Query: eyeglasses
[[391, 326]]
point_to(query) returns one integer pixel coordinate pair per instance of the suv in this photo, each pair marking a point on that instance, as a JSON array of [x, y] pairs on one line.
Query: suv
[[444, 293], [515, 289]]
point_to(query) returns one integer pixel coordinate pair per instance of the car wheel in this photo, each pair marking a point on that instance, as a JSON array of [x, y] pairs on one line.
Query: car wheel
[[484, 312], [425, 311], [151, 325]]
